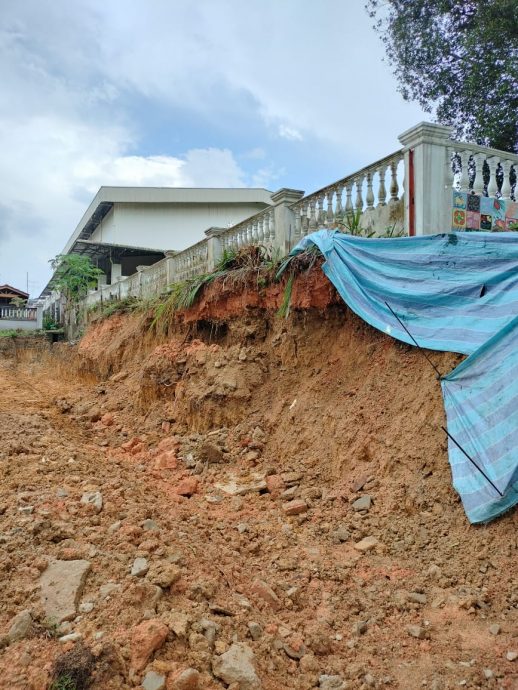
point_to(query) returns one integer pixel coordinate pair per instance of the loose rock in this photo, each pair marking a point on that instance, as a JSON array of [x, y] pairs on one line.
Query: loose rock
[[153, 681], [146, 638], [93, 498], [236, 666], [61, 587], [140, 567]]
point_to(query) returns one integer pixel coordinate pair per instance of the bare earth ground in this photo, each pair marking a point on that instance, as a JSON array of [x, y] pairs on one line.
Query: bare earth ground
[[229, 454]]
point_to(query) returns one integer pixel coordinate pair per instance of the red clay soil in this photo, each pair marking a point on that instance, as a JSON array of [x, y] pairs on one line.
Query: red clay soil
[[229, 454]]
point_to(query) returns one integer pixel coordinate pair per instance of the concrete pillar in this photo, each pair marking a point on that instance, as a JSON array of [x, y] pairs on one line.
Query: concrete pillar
[[170, 266], [427, 196], [284, 217], [116, 273], [214, 248]]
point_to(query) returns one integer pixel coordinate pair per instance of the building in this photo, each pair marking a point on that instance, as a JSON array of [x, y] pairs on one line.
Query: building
[[8, 293], [126, 227]]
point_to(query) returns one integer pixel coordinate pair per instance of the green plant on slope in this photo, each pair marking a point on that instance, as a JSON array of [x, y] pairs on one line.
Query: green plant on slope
[[73, 275], [235, 264]]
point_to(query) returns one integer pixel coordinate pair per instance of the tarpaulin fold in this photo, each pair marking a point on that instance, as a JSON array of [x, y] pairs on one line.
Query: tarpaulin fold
[[454, 292]]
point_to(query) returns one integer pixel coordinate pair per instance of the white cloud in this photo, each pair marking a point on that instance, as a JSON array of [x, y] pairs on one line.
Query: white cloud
[[290, 133]]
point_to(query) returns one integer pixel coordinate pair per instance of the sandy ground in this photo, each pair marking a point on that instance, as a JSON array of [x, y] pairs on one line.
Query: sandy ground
[[229, 458]]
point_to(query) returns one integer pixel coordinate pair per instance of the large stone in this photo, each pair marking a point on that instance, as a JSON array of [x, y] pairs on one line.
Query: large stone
[[61, 587], [236, 666], [146, 638], [20, 626]]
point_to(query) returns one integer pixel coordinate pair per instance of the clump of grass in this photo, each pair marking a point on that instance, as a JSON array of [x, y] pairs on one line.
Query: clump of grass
[[73, 670], [10, 333], [234, 265], [294, 265]]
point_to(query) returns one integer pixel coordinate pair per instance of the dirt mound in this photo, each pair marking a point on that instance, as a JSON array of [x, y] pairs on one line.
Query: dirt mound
[[262, 502]]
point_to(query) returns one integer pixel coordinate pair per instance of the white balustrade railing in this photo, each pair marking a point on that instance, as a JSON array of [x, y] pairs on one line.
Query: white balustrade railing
[[153, 279], [363, 192], [190, 262], [481, 170], [259, 229], [18, 313]]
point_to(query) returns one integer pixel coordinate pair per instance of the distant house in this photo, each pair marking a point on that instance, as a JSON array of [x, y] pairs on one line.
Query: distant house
[[126, 227], [7, 293]]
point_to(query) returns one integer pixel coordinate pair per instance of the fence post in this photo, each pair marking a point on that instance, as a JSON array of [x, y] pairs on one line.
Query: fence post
[[214, 249], [427, 197], [284, 217], [169, 266]]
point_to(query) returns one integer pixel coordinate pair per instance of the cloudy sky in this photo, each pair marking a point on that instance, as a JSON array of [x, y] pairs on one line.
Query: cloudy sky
[[269, 93]]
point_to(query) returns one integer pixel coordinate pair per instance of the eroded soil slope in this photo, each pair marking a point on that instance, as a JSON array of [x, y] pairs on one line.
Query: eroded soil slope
[[264, 502]]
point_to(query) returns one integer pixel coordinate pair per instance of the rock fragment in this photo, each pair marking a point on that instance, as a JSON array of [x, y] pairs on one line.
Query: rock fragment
[[20, 626], [153, 681], [366, 544], [94, 499], [140, 567], [295, 507], [255, 630], [265, 592], [189, 679], [61, 587], [326, 682], [236, 666], [417, 631], [362, 503], [146, 638]]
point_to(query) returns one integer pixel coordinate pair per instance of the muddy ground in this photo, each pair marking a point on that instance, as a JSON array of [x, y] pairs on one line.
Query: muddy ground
[[260, 503]]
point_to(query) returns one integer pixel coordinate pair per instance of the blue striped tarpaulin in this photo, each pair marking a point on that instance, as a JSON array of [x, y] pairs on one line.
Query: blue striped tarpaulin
[[456, 292]]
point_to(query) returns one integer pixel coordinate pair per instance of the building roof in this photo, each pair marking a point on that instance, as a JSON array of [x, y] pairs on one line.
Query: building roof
[[106, 197], [10, 291]]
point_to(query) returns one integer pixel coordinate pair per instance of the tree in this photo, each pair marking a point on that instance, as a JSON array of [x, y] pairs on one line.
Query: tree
[[459, 57], [73, 276]]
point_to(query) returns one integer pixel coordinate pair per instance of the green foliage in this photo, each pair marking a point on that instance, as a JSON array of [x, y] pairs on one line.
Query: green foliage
[[49, 324], [74, 274], [18, 302], [459, 57], [351, 223], [9, 333], [284, 309], [65, 682]]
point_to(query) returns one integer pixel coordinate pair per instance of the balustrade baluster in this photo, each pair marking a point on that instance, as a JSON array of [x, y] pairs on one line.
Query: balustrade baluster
[[348, 198], [506, 182], [369, 198], [394, 187], [321, 216], [312, 217], [492, 186], [330, 214], [464, 173], [478, 183], [382, 192], [305, 220], [271, 225], [297, 230], [358, 205], [339, 208]]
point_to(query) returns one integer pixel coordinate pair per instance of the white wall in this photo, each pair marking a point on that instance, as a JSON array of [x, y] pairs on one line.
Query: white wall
[[168, 226]]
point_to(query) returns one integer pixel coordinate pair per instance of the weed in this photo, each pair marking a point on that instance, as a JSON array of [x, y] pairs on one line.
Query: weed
[[9, 333], [73, 670]]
